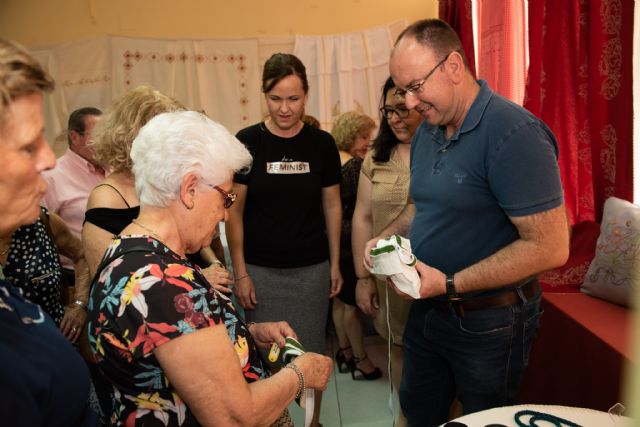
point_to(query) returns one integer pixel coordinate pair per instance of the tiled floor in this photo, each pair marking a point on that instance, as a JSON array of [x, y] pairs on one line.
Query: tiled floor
[[349, 403]]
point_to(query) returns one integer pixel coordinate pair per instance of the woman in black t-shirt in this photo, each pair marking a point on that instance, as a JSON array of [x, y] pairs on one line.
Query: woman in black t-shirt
[[284, 229]]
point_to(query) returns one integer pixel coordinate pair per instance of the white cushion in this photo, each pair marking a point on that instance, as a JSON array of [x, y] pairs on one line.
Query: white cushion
[[614, 273]]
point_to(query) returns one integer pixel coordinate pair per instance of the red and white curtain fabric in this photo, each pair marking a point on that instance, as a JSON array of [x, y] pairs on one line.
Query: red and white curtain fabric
[[459, 14], [502, 46], [580, 84]]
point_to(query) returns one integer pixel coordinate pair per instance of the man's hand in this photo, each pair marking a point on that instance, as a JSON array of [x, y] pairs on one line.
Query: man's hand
[[366, 256], [432, 282]]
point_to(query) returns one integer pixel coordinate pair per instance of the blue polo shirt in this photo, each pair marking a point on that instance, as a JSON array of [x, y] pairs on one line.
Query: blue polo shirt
[[501, 162]]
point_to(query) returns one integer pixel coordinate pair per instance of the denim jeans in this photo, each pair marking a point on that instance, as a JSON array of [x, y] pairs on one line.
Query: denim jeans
[[479, 358]]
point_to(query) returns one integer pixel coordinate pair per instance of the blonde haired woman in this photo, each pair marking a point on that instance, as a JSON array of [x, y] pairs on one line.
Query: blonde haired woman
[[113, 203], [353, 133]]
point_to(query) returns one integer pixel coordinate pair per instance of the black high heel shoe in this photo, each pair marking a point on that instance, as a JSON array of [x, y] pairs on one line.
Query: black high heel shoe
[[344, 365], [359, 374]]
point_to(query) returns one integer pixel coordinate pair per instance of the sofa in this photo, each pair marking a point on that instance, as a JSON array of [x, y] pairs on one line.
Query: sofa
[[584, 342]]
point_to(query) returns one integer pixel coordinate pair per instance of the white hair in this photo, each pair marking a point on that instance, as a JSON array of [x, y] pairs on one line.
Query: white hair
[[171, 145]]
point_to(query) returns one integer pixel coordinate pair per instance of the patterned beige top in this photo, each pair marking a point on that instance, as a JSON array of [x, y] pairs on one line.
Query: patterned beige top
[[389, 194]]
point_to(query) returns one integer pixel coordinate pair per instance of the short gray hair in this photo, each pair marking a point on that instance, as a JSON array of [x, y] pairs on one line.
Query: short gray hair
[[171, 145]]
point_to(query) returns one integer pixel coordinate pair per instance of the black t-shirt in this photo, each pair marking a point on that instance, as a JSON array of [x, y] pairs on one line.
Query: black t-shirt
[[283, 216]]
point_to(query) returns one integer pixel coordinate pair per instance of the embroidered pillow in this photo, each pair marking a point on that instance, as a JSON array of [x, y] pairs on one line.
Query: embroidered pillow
[[570, 276], [614, 273]]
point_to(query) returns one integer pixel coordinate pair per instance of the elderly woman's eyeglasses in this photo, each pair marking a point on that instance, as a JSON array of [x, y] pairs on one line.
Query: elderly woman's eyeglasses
[[416, 87], [401, 111], [229, 197]]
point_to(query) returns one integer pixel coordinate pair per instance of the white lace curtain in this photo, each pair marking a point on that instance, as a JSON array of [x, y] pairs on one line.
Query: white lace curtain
[[219, 77], [346, 71]]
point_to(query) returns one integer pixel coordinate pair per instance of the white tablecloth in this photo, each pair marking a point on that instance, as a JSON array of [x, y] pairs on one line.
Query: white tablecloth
[[581, 416]]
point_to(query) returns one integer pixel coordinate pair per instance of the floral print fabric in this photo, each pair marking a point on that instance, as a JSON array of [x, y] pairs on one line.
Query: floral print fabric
[[146, 296]]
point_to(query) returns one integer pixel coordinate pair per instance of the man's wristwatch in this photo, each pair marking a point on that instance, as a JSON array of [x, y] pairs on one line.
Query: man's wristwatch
[[80, 304], [452, 295]]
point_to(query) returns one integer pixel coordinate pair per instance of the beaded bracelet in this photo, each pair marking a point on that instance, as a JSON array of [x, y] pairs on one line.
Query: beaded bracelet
[[242, 277], [298, 372]]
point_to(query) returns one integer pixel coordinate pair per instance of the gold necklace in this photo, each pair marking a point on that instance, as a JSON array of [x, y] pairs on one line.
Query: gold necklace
[[135, 221], [3, 252]]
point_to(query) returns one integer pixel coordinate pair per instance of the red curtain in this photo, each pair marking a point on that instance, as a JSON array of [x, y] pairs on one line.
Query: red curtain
[[580, 84], [502, 46], [458, 14]]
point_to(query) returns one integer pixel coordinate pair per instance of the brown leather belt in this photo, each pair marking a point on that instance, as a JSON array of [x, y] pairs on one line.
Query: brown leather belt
[[505, 298]]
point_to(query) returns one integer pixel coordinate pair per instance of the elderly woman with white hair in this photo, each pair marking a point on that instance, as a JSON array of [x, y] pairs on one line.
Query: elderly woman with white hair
[[173, 347]]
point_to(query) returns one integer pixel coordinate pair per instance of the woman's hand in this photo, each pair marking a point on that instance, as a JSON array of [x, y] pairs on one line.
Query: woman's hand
[[73, 322], [246, 292], [367, 296], [316, 369], [336, 281], [266, 333], [219, 277]]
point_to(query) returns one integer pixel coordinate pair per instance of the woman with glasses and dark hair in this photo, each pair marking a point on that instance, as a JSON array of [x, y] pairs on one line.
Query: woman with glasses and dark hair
[[173, 347], [284, 229], [383, 190]]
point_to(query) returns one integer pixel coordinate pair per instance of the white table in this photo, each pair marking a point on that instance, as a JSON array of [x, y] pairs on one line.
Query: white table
[[581, 416]]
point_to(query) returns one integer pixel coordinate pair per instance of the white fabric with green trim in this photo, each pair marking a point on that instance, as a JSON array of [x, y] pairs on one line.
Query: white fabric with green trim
[[392, 257], [293, 349]]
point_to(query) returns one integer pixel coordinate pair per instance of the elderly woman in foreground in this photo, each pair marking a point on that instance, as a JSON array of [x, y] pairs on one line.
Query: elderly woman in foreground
[[43, 379], [173, 346]]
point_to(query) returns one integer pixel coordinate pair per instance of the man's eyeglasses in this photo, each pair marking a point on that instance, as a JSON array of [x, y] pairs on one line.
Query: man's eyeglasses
[[229, 197], [400, 111], [416, 88]]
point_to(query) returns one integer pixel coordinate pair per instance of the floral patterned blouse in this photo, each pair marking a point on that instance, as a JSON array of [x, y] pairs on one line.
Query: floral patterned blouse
[[141, 300]]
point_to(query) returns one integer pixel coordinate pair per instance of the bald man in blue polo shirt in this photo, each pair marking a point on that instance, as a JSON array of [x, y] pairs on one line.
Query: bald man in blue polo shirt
[[486, 216]]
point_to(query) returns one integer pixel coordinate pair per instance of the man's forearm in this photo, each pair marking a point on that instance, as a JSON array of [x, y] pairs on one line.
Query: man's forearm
[[543, 245]]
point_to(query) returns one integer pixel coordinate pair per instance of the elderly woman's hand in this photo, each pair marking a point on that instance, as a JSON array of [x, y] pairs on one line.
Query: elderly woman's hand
[[219, 277], [316, 369], [264, 334], [73, 322]]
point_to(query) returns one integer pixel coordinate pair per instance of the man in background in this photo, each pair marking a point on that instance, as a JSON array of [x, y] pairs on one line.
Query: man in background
[[73, 178]]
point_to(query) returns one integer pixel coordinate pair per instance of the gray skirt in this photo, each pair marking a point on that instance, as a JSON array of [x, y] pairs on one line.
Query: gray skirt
[[300, 296]]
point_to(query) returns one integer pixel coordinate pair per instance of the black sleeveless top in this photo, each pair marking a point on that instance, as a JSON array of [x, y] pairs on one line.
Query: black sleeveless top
[[115, 220], [110, 219]]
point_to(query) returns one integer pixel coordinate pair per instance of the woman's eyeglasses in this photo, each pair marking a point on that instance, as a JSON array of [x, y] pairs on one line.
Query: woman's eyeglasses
[[229, 197], [401, 111]]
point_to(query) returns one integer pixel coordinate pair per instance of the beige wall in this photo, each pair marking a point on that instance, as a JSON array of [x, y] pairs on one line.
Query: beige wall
[[38, 23]]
